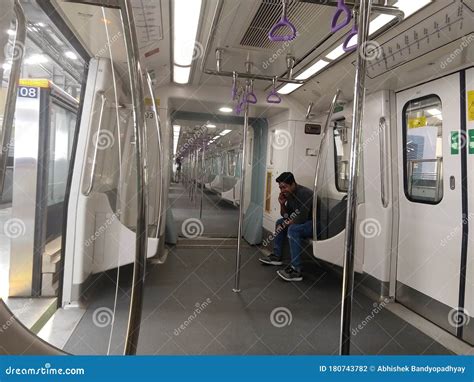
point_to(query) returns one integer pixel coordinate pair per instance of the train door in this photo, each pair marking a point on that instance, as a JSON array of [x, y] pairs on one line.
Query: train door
[[430, 200], [468, 313]]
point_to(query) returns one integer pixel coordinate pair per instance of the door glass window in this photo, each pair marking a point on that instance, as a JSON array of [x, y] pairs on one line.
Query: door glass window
[[423, 149]]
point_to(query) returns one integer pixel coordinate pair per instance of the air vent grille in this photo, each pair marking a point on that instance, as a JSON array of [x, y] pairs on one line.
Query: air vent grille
[[269, 12]]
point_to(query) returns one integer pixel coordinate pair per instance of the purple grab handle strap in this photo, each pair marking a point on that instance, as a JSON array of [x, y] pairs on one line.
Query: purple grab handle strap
[[273, 97], [251, 98], [284, 22], [349, 36], [342, 8]]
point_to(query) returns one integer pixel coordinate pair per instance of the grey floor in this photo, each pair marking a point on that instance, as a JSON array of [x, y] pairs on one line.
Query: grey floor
[[219, 218], [240, 323]]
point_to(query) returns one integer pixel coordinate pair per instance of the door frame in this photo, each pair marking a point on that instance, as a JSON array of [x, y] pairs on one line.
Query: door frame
[[464, 192]]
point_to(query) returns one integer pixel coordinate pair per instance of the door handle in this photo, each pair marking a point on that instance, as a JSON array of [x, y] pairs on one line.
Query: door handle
[[452, 182]]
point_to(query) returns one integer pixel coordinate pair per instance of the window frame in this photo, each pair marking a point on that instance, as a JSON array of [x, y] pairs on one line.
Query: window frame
[[404, 150]]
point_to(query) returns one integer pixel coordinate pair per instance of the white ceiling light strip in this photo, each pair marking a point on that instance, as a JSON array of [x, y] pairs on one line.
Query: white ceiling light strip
[[185, 26]]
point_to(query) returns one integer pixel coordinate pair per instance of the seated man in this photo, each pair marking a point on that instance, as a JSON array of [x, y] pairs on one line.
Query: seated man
[[296, 203]]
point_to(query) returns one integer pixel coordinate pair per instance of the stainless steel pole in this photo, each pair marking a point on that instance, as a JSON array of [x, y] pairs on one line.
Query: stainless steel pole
[[241, 202], [137, 93], [203, 169], [322, 144], [351, 218], [18, 51]]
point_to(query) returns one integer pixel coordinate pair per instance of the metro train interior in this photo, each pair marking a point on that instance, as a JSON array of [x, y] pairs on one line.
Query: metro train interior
[[142, 141]]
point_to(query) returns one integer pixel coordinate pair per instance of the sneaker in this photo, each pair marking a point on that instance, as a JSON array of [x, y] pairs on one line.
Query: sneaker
[[290, 274], [271, 260]]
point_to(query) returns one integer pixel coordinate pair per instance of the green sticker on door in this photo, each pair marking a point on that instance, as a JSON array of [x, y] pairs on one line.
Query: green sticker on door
[[471, 141], [454, 142]]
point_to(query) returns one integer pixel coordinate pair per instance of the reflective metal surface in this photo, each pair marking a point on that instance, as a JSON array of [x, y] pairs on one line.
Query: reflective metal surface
[[322, 144], [351, 218], [24, 203], [241, 201], [7, 125], [135, 73]]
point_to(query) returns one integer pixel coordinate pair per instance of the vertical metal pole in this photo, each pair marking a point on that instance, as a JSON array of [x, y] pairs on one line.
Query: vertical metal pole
[[322, 144], [202, 175], [351, 218], [135, 73], [241, 203], [10, 104]]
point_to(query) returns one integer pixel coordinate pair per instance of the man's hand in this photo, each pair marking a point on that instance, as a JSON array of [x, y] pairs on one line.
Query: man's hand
[[281, 199]]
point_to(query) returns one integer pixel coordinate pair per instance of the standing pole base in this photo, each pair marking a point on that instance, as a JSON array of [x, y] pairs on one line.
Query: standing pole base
[[235, 290]]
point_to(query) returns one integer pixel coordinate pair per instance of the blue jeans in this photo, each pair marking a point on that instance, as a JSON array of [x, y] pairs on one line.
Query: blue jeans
[[295, 233]]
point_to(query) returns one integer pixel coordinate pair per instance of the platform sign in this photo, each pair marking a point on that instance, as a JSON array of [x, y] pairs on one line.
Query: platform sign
[[28, 92]]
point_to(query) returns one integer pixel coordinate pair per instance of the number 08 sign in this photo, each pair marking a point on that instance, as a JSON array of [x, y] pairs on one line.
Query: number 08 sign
[[28, 92]]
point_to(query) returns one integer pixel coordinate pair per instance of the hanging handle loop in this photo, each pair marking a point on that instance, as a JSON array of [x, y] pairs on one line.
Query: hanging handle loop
[[273, 96], [342, 9], [283, 23], [349, 37], [251, 97]]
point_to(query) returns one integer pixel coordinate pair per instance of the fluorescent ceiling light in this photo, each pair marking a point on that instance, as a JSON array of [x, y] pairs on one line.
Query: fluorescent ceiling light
[[433, 111], [225, 132], [288, 88], [336, 53], [181, 75], [225, 109], [71, 55], [11, 32], [379, 22], [409, 7], [211, 126], [313, 69], [36, 59], [216, 137], [185, 25]]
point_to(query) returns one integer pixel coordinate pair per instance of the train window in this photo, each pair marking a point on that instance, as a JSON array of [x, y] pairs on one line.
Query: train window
[[423, 150], [341, 154], [231, 162]]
